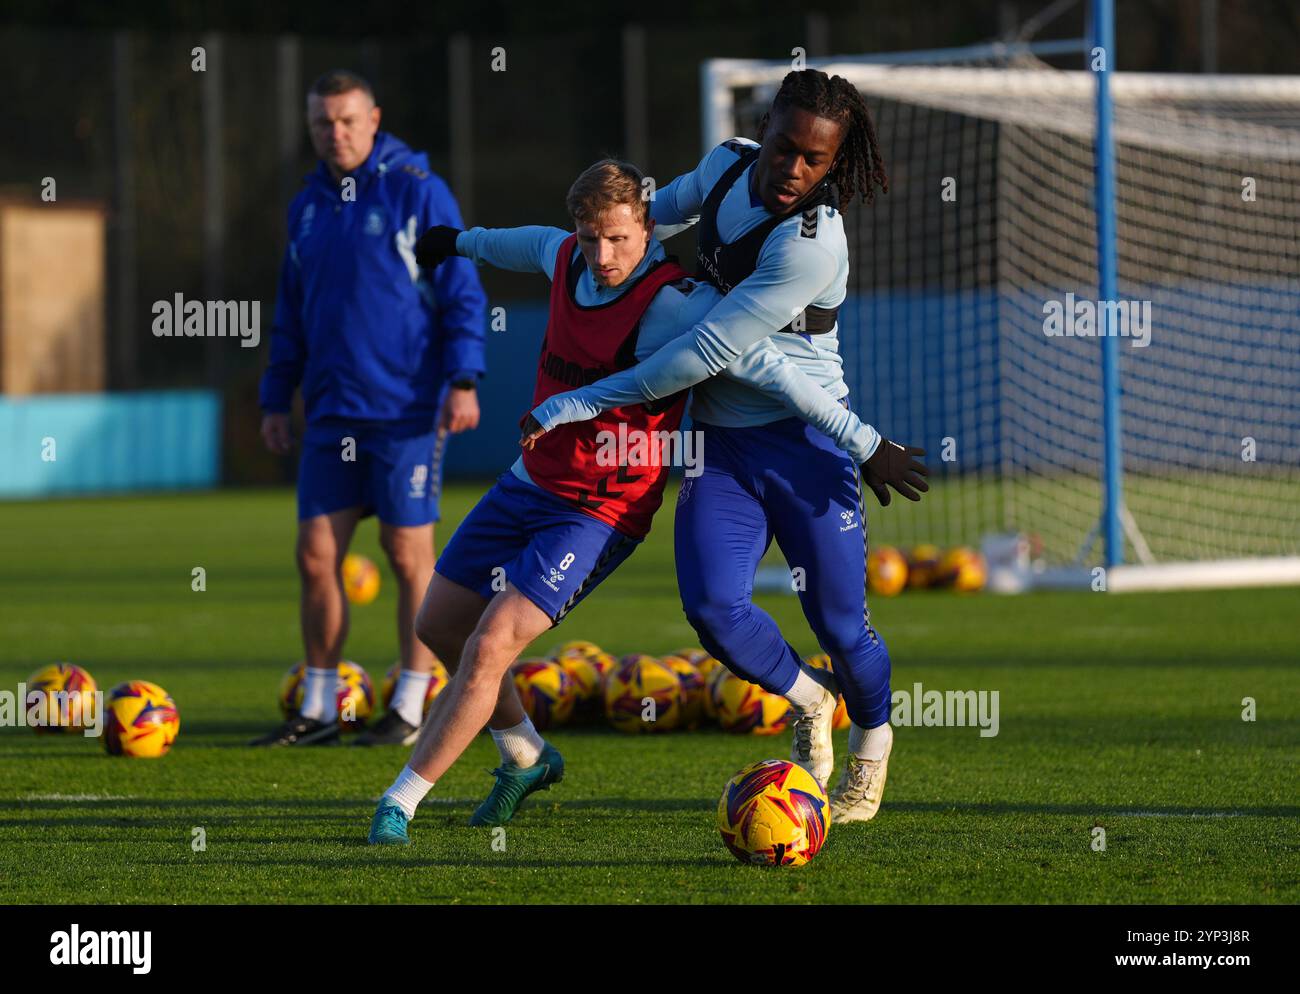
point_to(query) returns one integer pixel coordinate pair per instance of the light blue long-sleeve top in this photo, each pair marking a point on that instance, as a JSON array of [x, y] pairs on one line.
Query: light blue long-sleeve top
[[793, 270], [764, 375]]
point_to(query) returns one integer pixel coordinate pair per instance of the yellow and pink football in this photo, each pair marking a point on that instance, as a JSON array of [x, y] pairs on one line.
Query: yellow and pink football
[[141, 720], [605, 664], [360, 579], [962, 569], [692, 689], [60, 698], [922, 563], [579, 646], [588, 685], [643, 695], [744, 707], [713, 671], [546, 690], [706, 666], [773, 813], [886, 571], [692, 654]]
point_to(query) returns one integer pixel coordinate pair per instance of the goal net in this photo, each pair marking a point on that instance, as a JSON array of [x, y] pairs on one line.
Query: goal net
[[971, 322]]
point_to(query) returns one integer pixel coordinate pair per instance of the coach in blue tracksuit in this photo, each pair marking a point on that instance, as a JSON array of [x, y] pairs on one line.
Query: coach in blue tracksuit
[[387, 356]]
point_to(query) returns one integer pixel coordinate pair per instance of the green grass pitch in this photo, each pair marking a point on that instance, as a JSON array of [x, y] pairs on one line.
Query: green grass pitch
[[1123, 712]]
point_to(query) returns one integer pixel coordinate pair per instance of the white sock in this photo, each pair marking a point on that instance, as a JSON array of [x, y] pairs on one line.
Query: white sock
[[809, 687], [825, 677], [408, 790], [870, 743], [520, 745], [320, 695], [408, 696]]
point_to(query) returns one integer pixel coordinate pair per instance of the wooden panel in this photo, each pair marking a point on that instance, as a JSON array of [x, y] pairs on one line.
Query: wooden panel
[[52, 298]]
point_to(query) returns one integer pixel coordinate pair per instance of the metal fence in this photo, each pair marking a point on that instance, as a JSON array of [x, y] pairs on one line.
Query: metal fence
[[197, 168]]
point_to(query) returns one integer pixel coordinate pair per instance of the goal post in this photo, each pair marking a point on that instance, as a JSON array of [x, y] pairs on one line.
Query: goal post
[[979, 281], [1102, 55]]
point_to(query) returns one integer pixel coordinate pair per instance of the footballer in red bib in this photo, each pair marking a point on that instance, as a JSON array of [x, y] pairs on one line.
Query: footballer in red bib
[[584, 344]]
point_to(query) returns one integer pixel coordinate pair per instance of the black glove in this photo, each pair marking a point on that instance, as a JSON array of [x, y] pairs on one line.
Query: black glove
[[530, 431], [893, 464], [435, 245]]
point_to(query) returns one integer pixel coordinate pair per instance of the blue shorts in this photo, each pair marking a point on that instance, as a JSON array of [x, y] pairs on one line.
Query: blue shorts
[[395, 470], [787, 482], [554, 554]]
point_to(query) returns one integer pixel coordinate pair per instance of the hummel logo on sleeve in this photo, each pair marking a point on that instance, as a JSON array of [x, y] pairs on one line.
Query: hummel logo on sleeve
[[808, 224]]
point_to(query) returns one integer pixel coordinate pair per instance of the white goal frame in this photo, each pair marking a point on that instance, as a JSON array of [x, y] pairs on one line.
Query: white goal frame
[[947, 86]]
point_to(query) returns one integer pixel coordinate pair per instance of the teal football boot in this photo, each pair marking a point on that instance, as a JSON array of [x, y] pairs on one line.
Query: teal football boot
[[388, 826], [514, 783]]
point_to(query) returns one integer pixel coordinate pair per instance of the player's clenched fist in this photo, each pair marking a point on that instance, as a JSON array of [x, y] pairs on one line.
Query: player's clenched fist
[[435, 245], [460, 411], [894, 465], [276, 433]]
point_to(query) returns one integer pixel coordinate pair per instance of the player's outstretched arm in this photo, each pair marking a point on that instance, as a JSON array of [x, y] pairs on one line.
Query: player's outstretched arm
[[528, 249], [585, 403], [761, 304], [673, 310], [884, 463], [767, 369]]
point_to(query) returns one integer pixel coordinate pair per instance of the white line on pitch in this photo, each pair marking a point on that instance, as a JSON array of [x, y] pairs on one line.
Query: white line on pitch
[[1180, 814]]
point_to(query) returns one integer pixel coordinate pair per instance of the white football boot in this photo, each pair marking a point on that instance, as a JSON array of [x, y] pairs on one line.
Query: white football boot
[[812, 747], [858, 794]]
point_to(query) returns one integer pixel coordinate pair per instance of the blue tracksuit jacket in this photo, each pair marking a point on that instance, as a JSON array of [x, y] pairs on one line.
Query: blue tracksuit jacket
[[359, 326]]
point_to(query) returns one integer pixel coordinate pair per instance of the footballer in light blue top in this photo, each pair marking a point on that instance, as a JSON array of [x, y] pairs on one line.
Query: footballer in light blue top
[[771, 240], [793, 271], [765, 382]]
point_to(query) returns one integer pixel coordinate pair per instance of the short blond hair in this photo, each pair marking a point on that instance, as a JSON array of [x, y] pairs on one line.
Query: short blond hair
[[606, 184]]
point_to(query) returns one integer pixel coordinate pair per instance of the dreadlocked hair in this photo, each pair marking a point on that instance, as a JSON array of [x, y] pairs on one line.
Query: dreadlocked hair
[[859, 170]]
